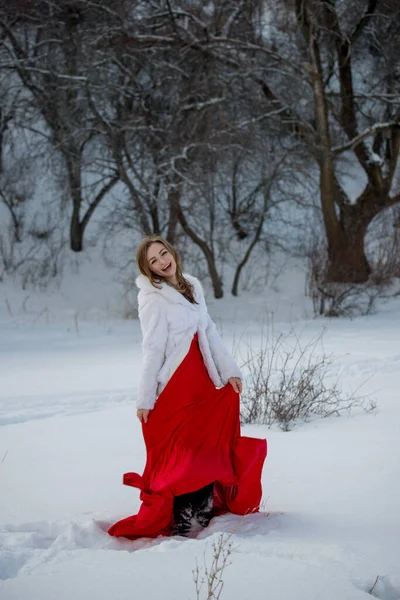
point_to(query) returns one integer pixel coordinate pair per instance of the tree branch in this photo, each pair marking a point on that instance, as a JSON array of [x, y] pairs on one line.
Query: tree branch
[[93, 205], [348, 116], [304, 131], [393, 200], [372, 4], [340, 197], [352, 144]]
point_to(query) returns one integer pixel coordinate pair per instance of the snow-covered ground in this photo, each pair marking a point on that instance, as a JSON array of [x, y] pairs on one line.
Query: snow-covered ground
[[330, 521]]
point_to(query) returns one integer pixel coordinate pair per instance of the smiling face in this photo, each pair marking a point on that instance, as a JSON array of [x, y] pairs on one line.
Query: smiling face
[[161, 262]]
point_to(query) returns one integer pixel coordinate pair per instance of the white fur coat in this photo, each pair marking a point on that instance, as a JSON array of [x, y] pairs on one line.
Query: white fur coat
[[168, 323]]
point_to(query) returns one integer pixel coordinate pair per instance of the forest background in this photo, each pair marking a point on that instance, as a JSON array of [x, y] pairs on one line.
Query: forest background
[[235, 128]]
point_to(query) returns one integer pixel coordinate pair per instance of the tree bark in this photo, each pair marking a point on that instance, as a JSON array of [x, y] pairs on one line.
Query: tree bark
[[76, 232], [235, 285], [74, 179], [174, 196], [347, 260]]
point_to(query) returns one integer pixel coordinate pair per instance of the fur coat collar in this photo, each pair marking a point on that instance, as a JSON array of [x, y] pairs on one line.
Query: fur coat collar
[[169, 292]]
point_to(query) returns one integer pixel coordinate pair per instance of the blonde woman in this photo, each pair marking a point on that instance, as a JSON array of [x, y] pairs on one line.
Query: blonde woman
[[197, 464]]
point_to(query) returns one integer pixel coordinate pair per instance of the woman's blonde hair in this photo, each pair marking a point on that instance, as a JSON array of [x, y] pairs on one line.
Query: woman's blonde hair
[[182, 285]]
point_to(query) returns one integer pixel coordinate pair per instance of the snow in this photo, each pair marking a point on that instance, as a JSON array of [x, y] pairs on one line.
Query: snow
[[329, 524]]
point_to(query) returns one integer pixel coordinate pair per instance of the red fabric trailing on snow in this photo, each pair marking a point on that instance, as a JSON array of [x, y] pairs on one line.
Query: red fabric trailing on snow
[[192, 439]]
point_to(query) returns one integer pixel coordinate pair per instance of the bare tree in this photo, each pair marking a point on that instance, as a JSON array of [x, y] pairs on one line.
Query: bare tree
[[305, 63], [49, 48], [362, 118], [171, 114]]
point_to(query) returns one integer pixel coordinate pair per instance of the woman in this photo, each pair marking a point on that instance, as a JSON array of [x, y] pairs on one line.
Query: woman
[[197, 464]]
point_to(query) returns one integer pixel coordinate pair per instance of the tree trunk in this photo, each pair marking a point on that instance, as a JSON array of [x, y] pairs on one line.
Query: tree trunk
[[212, 269], [153, 207], [347, 260], [346, 253], [255, 240], [174, 196], [136, 200], [73, 163], [76, 232], [78, 226]]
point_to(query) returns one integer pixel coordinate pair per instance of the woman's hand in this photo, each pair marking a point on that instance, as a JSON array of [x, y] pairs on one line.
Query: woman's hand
[[143, 414], [236, 383]]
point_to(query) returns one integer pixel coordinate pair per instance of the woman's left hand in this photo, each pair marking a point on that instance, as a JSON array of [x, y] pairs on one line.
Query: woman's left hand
[[236, 383]]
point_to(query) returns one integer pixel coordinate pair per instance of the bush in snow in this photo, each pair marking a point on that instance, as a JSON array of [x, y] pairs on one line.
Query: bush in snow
[[288, 382]]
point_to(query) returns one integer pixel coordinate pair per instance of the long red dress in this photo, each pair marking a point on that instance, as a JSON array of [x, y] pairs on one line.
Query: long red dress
[[192, 439]]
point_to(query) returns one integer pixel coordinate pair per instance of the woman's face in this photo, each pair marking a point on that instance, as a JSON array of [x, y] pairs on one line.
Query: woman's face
[[161, 262]]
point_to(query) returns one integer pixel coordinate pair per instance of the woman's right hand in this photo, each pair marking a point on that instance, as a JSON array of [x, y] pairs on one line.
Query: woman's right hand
[[143, 414]]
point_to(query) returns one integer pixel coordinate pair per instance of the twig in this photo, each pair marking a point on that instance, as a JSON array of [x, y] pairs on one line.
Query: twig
[[373, 587]]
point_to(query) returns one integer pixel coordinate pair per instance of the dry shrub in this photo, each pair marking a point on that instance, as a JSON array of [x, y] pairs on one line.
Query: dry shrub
[[288, 382], [210, 578]]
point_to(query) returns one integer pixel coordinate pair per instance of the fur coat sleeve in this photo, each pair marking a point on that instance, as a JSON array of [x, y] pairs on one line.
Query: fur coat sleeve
[[154, 325], [223, 360], [226, 365]]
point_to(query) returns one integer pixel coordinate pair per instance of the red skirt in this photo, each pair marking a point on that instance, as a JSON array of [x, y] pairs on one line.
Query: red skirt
[[192, 439]]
